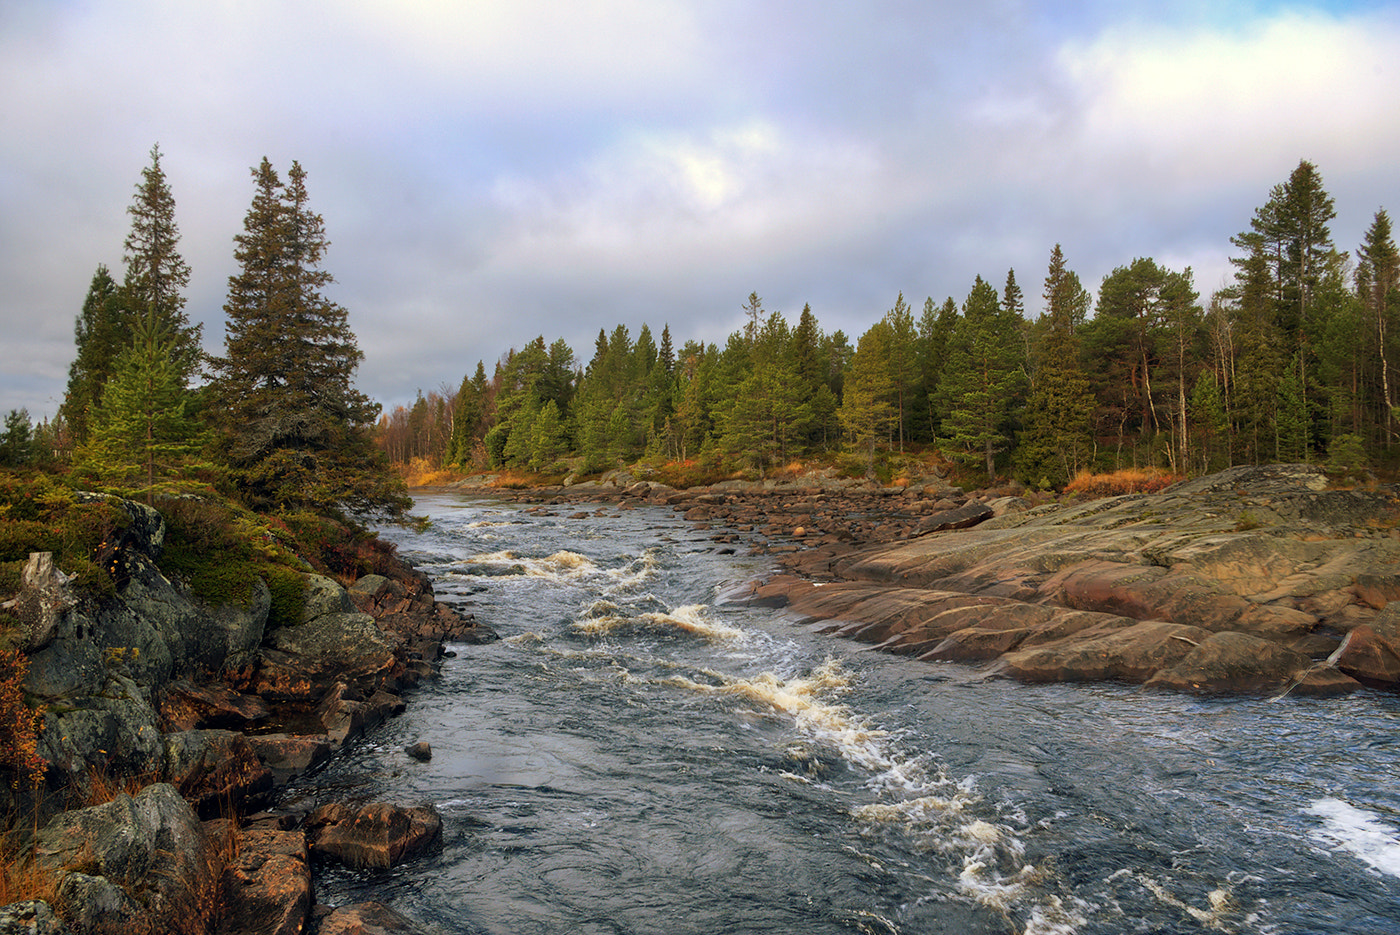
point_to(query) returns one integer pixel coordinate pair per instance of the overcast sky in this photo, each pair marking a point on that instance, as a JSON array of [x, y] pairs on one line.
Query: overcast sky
[[493, 171]]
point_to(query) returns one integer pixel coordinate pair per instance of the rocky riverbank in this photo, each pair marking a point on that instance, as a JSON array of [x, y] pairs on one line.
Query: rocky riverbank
[[1256, 580], [200, 714]]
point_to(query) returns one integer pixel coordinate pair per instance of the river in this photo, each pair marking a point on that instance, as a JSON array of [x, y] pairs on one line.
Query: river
[[638, 755]]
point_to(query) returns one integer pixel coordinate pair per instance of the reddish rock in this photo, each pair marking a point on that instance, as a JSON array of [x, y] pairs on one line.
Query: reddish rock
[[1234, 662], [1371, 652], [185, 706], [968, 514], [289, 756], [1129, 654], [374, 835], [367, 919], [215, 770], [267, 883]]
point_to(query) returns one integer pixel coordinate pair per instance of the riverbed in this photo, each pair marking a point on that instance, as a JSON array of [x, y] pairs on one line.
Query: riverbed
[[641, 754]]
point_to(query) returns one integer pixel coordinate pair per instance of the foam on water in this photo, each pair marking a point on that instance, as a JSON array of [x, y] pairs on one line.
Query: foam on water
[[604, 617], [1358, 832]]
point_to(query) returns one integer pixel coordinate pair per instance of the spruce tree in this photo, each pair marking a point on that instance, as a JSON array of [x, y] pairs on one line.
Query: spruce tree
[[903, 363], [142, 429], [17, 441], [982, 378], [866, 412], [1058, 437], [295, 431], [102, 331], [156, 273]]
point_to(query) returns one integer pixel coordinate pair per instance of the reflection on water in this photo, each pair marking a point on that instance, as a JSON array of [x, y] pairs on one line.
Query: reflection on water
[[638, 756]]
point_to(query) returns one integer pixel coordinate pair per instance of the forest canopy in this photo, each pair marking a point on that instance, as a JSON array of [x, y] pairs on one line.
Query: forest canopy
[[1293, 361]]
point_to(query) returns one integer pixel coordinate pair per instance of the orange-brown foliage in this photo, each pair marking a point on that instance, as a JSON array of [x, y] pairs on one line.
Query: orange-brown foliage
[[19, 723], [1136, 480]]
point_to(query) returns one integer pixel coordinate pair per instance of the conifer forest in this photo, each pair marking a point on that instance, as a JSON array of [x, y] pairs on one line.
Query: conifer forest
[[1292, 361]]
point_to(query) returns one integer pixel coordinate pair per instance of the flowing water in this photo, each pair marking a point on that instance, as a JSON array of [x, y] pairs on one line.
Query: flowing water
[[637, 755]]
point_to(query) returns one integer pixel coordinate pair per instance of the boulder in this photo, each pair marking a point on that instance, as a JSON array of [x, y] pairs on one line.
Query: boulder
[[1371, 652], [288, 756], [31, 917], [300, 663], [184, 705], [217, 771], [969, 514], [373, 835], [135, 864], [114, 730], [368, 919], [325, 596], [267, 883]]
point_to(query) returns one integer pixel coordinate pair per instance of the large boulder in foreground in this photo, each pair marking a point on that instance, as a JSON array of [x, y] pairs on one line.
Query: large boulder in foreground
[[267, 883], [140, 863]]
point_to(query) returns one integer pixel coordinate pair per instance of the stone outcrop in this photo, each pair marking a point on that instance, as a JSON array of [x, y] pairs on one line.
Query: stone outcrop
[[152, 683], [138, 863], [266, 884], [1254, 580]]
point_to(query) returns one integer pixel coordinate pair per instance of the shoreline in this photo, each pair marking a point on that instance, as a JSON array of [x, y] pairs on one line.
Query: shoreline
[[1256, 580]]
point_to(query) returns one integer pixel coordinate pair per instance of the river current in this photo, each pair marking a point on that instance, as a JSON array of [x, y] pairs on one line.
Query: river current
[[637, 754]]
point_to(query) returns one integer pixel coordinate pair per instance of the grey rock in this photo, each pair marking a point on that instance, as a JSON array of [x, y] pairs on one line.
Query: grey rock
[[31, 917], [146, 862], [325, 596]]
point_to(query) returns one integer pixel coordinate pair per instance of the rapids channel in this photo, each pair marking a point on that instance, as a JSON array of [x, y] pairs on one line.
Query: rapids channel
[[638, 754]]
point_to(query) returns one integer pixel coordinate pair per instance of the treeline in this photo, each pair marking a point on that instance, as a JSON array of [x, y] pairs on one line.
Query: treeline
[[275, 422], [1294, 361]]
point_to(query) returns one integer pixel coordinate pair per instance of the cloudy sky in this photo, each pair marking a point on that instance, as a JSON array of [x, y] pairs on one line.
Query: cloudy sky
[[493, 171]]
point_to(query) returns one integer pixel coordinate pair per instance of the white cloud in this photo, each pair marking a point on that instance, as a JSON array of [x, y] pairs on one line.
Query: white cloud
[[1213, 106]]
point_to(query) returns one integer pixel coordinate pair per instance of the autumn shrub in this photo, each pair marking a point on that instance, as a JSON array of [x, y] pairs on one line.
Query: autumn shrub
[[337, 550], [19, 723], [1087, 486], [21, 877], [691, 472], [420, 472]]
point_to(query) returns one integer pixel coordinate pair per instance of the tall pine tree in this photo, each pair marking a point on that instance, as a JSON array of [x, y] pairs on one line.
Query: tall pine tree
[[1058, 438], [156, 273], [295, 431], [983, 376]]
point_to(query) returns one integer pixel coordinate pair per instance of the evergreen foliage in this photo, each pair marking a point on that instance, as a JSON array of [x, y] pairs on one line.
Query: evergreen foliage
[[983, 377], [103, 329], [293, 429], [142, 432], [17, 442], [1057, 441], [156, 273]]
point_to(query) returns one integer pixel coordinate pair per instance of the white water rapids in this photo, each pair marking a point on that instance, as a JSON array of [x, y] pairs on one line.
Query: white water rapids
[[637, 755]]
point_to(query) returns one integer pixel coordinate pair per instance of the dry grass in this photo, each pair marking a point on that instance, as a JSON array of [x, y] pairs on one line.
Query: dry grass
[[21, 878], [420, 473], [1089, 486]]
